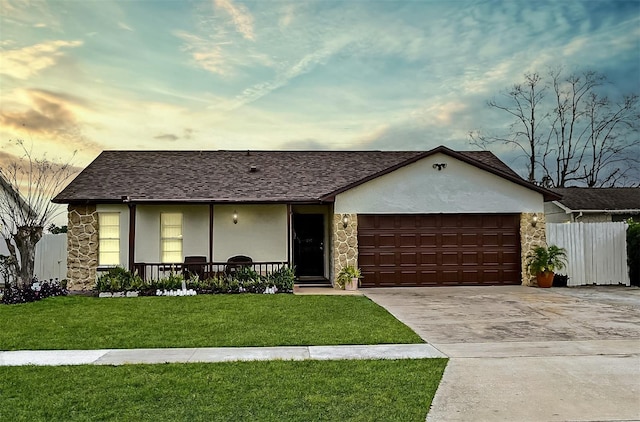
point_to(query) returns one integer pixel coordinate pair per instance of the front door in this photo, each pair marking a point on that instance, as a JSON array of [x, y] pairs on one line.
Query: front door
[[308, 244]]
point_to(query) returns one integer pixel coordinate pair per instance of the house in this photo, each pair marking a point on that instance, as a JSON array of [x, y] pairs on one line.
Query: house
[[593, 205], [13, 209], [406, 218]]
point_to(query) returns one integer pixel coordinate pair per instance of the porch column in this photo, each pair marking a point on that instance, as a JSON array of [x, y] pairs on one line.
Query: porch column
[[82, 246], [530, 237], [210, 232], [345, 243], [132, 236], [289, 242]]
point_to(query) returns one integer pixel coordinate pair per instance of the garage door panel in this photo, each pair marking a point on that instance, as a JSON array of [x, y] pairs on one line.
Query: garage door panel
[[490, 258], [386, 259], [450, 240], [366, 240], [510, 239], [490, 239], [469, 239], [471, 258], [449, 258], [428, 258], [409, 258], [428, 240], [409, 240], [439, 249]]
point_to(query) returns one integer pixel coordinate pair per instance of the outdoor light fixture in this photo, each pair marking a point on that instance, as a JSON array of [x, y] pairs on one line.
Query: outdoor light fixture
[[440, 166], [345, 221], [235, 217], [534, 220]]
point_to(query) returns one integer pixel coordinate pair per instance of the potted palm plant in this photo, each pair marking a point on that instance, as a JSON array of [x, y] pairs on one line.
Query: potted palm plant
[[543, 261], [348, 278]]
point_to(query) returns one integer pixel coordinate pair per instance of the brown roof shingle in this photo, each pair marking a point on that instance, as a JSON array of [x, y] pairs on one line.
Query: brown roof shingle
[[226, 176], [600, 199]]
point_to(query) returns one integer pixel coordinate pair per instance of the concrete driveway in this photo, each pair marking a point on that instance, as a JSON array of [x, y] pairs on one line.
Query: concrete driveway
[[526, 354]]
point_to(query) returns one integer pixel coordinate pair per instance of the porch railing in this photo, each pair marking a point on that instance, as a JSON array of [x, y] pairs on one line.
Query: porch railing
[[156, 270]]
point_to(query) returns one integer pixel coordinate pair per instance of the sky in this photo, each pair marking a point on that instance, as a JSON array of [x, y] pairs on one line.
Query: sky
[[87, 76]]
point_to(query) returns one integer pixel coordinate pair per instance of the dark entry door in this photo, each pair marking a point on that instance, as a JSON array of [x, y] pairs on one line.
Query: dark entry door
[[308, 244]]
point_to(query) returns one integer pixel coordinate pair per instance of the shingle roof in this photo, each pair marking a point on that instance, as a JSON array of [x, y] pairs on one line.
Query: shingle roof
[[600, 199], [225, 176]]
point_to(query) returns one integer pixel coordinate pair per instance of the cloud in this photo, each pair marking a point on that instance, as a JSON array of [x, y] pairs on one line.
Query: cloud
[[304, 145], [240, 16], [302, 66], [125, 26], [23, 63], [167, 137], [206, 53], [50, 115]]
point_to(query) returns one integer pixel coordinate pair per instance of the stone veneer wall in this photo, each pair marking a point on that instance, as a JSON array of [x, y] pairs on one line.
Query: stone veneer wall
[[529, 238], [345, 244], [82, 247]]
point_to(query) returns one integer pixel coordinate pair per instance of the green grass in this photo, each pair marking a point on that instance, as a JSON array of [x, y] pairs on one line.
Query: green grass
[[198, 321], [362, 390]]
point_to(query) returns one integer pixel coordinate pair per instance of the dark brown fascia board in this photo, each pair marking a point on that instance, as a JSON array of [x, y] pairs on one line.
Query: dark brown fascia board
[[190, 201], [547, 194]]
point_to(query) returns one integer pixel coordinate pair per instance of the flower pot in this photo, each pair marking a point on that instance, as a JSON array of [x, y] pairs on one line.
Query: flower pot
[[545, 279], [353, 285]]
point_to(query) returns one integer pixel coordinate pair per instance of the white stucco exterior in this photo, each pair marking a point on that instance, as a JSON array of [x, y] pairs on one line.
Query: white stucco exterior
[[261, 232], [421, 189], [195, 230]]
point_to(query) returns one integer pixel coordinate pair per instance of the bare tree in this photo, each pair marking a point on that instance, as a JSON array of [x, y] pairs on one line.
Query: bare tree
[[522, 102], [575, 136], [27, 187]]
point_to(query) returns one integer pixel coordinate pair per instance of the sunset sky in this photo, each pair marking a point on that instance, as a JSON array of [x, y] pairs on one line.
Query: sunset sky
[[229, 74]]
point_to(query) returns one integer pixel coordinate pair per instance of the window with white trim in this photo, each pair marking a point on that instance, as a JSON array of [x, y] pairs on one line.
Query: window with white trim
[[109, 238], [171, 237]]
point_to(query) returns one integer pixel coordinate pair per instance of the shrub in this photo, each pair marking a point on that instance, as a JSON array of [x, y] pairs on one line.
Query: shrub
[[118, 279], [633, 251], [282, 278], [35, 291]]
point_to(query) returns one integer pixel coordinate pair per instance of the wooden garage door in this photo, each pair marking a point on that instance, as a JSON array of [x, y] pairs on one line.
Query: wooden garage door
[[439, 249]]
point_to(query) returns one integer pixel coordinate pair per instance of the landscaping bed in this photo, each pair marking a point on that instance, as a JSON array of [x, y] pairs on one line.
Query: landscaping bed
[[243, 280], [75, 322], [362, 390]]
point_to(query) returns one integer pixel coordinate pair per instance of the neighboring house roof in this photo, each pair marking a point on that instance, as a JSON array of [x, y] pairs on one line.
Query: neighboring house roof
[[227, 176], [15, 197], [612, 200]]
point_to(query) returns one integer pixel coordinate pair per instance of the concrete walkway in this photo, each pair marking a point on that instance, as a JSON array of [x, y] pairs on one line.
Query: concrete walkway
[[525, 354], [215, 354]]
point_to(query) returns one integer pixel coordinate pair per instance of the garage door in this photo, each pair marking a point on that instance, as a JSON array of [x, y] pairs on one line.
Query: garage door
[[439, 249]]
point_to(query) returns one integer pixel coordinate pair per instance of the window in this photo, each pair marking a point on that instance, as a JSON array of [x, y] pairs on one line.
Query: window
[[109, 238], [171, 237]]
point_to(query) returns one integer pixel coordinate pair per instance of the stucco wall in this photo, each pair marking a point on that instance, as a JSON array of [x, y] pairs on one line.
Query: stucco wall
[[458, 188], [555, 214], [195, 230], [261, 232]]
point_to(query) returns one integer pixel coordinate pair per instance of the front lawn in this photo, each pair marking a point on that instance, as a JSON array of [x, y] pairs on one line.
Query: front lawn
[[198, 321], [361, 390]]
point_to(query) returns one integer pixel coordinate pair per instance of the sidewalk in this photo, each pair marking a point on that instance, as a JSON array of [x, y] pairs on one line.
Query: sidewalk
[[215, 354]]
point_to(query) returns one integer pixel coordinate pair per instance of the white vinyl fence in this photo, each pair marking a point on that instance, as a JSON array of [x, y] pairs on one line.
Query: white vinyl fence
[[51, 257], [596, 252]]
